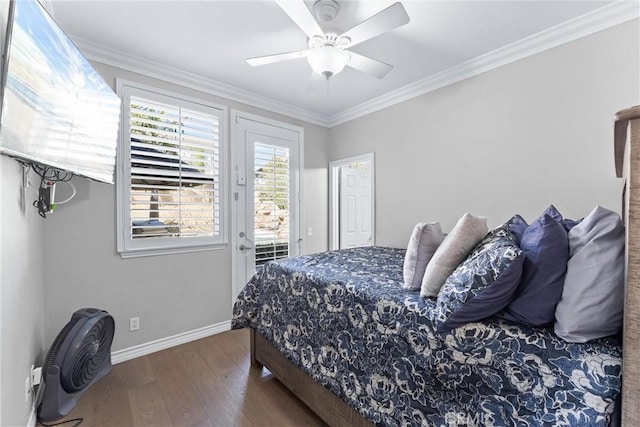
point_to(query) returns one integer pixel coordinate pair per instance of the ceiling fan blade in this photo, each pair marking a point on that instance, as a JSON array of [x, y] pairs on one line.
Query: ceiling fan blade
[[369, 65], [386, 20], [270, 59], [301, 15]]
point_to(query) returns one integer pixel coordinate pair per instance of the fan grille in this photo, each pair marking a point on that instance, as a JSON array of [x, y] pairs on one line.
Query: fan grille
[[90, 355], [57, 343]]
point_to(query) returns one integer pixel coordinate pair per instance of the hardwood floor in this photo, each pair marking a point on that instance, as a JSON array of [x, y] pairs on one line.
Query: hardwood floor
[[208, 382]]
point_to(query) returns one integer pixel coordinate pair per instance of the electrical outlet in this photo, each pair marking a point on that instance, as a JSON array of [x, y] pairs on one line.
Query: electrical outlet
[[36, 376], [134, 323]]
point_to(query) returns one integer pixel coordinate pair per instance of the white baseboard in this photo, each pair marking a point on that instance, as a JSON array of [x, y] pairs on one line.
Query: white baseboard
[[123, 355], [153, 346]]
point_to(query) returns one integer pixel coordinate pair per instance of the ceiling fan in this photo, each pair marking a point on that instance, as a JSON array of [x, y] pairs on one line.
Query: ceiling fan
[[327, 53]]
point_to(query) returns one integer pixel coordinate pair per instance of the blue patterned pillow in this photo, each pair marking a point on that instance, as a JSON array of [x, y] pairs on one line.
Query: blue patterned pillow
[[483, 284], [497, 237]]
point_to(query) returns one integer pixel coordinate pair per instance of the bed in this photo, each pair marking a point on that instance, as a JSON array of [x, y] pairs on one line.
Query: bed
[[338, 330]]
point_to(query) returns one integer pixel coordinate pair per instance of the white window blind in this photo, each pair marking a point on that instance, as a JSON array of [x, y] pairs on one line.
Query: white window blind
[[271, 202], [172, 164]]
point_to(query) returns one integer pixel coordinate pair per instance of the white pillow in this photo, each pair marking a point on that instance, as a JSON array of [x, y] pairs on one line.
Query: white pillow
[[593, 295], [424, 240], [467, 233]]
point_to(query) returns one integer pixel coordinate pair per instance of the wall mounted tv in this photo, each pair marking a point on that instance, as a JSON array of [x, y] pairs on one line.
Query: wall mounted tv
[[56, 109]]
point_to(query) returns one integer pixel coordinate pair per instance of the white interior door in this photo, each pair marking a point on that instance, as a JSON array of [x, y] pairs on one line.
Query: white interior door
[[355, 207], [266, 195], [364, 162]]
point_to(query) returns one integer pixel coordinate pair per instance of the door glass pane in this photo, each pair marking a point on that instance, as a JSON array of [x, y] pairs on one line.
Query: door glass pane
[[271, 202]]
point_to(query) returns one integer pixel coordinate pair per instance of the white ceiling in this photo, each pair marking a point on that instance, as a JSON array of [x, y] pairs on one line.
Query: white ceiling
[[212, 39]]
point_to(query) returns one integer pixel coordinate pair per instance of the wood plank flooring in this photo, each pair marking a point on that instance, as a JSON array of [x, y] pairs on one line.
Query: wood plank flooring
[[208, 382]]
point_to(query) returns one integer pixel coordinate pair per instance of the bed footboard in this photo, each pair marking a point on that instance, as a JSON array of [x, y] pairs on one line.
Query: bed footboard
[[325, 404], [627, 156]]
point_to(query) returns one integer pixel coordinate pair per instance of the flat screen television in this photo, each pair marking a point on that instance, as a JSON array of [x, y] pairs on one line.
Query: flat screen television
[[57, 110]]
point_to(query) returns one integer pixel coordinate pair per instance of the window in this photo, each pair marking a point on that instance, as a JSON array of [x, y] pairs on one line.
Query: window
[[271, 202], [170, 187]]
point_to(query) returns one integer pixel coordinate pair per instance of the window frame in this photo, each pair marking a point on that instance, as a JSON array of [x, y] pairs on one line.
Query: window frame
[[129, 247]]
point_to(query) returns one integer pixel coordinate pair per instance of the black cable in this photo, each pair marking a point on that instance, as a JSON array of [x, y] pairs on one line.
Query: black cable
[[79, 421], [41, 203], [47, 175], [51, 174], [41, 206]]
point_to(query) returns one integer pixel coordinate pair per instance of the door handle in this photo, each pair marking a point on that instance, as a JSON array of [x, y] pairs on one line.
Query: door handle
[[242, 247]]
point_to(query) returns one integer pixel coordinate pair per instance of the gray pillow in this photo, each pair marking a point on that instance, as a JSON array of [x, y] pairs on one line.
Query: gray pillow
[[466, 234], [424, 240], [593, 294]]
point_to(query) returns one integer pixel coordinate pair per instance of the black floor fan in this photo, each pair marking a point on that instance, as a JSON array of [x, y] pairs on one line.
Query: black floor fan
[[77, 359]]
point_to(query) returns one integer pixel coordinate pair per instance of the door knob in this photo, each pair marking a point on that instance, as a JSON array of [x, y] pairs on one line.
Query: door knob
[[242, 247]]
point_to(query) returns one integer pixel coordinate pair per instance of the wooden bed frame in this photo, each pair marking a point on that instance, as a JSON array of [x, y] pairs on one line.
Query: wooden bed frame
[[320, 400], [627, 156], [335, 412]]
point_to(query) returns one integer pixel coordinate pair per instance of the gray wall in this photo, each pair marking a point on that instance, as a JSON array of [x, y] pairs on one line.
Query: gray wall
[[21, 284], [171, 294], [22, 289], [514, 139]]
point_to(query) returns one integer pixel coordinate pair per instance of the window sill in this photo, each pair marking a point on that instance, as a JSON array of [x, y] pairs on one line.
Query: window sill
[[147, 252]]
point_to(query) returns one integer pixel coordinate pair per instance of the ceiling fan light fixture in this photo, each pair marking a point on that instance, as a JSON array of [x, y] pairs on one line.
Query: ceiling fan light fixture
[[328, 60]]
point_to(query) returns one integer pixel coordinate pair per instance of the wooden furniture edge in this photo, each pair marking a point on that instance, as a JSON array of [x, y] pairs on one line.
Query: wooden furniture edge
[[629, 139], [320, 400], [621, 121]]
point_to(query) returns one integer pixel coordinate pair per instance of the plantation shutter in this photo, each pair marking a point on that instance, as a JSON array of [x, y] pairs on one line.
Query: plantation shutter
[[271, 202], [175, 169]]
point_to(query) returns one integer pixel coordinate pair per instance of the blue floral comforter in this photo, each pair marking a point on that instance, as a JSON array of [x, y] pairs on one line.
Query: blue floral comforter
[[344, 319]]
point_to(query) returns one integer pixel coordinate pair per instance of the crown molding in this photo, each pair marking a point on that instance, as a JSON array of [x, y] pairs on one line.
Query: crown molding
[[109, 56], [600, 19], [581, 26]]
